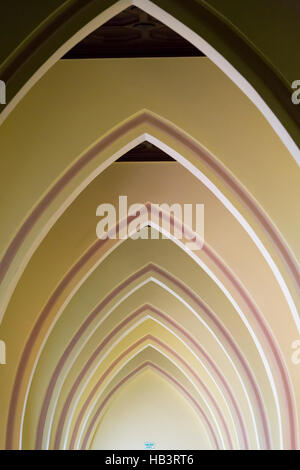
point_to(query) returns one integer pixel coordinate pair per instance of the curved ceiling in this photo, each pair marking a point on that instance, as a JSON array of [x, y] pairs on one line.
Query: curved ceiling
[[222, 32], [94, 325]]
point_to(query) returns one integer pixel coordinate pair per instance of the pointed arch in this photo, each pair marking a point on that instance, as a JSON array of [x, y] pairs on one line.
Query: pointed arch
[[174, 381], [80, 265], [9, 269], [212, 20], [171, 351]]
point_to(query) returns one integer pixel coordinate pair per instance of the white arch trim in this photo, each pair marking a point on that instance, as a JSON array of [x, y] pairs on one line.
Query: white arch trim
[[123, 335], [126, 333], [141, 349], [188, 34], [190, 167], [225, 292]]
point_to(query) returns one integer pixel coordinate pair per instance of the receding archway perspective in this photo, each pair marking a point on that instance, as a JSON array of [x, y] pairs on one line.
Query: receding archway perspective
[[149, 250]]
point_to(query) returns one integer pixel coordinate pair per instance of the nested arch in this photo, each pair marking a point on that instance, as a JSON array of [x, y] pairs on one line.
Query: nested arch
[[217, 179], [166, 322], [175, 383], [207, 424], [169, 353], [141, 345], [22, 247], [46, 404], [64, 357], [179, 22], [94, 152]]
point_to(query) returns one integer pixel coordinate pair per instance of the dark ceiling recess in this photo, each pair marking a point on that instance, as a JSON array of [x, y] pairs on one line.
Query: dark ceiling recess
[[146, 152], [133, 33]]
